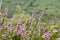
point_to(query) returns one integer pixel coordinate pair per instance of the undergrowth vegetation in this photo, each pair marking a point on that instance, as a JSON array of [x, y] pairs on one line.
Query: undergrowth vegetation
[[26, 27]]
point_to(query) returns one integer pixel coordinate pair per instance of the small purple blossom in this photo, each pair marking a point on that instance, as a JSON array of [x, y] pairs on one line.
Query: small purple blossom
[[9, 29], [47, 35]]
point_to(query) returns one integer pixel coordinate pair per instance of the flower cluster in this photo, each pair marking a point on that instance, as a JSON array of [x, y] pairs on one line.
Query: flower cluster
[[30, 29]]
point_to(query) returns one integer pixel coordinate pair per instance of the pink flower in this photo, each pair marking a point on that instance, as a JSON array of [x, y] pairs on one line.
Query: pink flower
[[47, 35], [5, 13], [20, 30], [19, 21], [12, 19], [9, 29], [15, 32]]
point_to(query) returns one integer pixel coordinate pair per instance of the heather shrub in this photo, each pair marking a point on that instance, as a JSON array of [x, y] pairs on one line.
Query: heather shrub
[[25, 27]]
